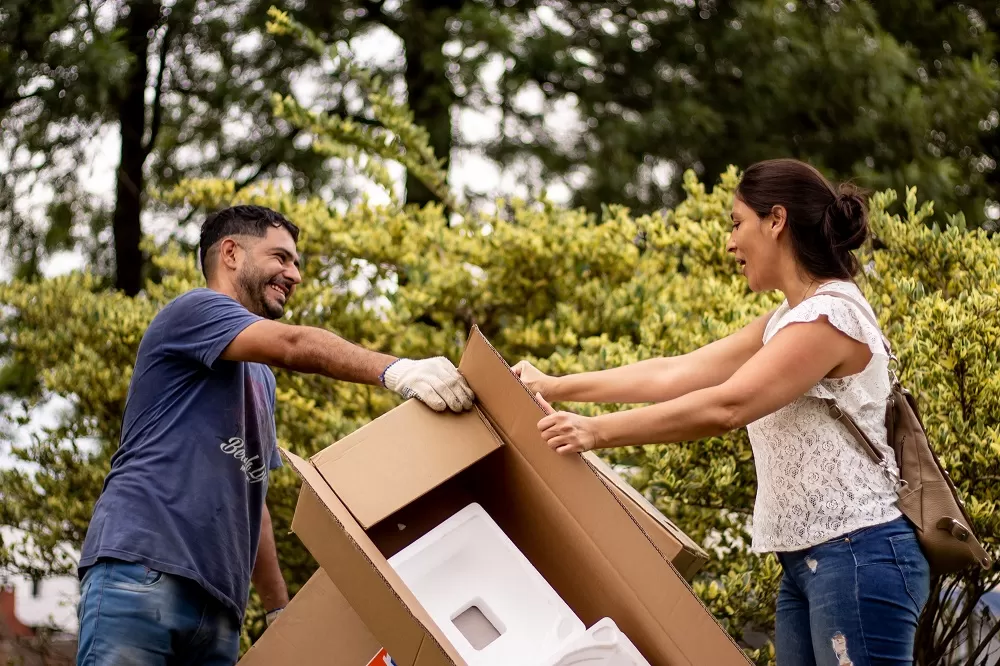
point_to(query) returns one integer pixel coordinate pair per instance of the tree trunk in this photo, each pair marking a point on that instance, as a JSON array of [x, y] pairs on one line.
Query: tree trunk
[[139, 23], [430, 93]]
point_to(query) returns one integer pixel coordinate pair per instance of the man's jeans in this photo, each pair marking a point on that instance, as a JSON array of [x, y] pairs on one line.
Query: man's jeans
[[132, 615], [853, 600]]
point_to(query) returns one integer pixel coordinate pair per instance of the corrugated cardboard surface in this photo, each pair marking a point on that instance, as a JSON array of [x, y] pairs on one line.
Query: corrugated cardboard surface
[[559, 511], [688, 632], [686, 556], [413, 450], [360, 571], [302, 633]]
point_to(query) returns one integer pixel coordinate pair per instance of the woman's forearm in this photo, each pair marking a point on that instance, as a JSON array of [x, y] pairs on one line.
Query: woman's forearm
[[662, 379], [703, 413], [652, 380], [643, 381]]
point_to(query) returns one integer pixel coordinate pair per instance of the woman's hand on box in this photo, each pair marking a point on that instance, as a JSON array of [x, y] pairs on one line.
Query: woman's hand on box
[[566, 432], [534, 379]]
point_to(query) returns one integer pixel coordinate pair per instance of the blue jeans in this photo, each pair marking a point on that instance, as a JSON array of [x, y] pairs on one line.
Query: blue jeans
[[854, 600], [132, 615]]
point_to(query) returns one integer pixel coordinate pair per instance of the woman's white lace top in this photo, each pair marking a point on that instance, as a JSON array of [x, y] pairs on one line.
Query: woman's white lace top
[[814, 481]]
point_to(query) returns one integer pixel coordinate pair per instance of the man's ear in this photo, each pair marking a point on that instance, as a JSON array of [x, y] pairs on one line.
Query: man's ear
[[229, 253], [778, 220]]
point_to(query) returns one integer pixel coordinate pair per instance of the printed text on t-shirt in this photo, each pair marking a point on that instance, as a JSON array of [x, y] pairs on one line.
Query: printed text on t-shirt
[[237, 449]]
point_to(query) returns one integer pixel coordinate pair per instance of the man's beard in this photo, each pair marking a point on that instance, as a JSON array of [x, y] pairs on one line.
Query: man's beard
[[253, 286]]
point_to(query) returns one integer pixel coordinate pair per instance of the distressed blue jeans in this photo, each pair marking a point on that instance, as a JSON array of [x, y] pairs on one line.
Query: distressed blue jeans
[[854, 600], [131, 615]]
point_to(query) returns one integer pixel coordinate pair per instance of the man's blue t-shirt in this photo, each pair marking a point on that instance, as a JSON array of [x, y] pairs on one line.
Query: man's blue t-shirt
[[186, 488]]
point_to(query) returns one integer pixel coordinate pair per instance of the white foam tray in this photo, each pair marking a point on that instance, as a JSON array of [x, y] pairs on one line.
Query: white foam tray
[[468, 561], [603, 644]]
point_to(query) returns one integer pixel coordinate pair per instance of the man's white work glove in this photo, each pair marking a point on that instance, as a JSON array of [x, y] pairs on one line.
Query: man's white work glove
[[436, 382], [270, 617]]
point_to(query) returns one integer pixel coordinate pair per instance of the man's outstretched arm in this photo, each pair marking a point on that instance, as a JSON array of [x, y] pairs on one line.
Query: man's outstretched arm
[[307, 349], [434, 381]]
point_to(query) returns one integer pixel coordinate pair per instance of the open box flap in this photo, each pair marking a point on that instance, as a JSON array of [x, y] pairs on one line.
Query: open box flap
[[686, 555], [361, 573], [413, 449], [698, 637], [301, 634]]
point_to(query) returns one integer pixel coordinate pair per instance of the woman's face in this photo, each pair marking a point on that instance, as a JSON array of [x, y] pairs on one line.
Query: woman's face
[[753, 241]]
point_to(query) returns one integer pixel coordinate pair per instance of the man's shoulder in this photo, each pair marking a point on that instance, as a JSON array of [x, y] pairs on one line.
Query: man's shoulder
[[201, 295], [195, 302]]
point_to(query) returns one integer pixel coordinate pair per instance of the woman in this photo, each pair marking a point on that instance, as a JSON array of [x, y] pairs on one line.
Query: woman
[[855, 579]]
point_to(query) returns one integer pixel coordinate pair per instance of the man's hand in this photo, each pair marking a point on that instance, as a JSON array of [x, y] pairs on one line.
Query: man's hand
[[436, 382], [272, 616], [566, 432]]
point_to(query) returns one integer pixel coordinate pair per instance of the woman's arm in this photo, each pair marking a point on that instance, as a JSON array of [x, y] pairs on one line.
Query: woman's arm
[[656, 379], [798, 357]]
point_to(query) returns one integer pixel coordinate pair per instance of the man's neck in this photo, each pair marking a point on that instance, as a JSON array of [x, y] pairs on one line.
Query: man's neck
[[224, 288]]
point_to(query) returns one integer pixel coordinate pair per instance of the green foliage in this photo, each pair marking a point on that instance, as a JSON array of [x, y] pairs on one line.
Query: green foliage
[[391, 134], [64, 75], [909, 97], [564, 288], [568, 289], [891, 93]]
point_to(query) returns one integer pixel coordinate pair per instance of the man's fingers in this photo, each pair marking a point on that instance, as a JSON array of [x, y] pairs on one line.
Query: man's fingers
[[457, 392], [430, 397], [468, 395], [447, 392], [451, 385], [518, 367]]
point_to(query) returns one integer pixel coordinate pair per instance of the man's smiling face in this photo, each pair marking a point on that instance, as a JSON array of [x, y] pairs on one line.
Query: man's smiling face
[[268, 273]]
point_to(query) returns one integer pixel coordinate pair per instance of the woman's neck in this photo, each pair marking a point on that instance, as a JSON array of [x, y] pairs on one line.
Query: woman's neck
[[799, 287]]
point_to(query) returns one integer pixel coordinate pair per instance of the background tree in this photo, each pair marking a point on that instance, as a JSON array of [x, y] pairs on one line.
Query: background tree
[[186, 86], [611, 101], [661, 88], [566, 288]]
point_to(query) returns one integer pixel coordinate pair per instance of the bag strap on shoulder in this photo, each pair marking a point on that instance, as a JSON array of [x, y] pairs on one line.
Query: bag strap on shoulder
[[843, 417]]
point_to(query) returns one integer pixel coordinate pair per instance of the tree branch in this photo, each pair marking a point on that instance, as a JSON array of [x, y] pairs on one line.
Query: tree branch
[[154, 128], [962, 613], [984, 641], [267, 162]]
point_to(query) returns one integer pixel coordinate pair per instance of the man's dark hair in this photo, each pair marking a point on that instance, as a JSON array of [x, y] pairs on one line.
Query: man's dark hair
[[239, 221]]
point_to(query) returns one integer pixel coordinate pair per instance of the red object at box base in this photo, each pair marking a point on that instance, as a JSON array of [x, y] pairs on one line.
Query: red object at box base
[[382, 659]]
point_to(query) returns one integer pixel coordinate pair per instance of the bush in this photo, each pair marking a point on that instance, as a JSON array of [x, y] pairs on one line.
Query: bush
[[570, 291], [563, 288]]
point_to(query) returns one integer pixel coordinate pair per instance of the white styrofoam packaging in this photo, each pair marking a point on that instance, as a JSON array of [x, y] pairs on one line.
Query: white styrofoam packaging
[[603, 644], [483, 593]]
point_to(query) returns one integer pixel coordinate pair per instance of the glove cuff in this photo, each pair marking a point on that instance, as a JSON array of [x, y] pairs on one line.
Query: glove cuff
[[271, 616], [392, 373]]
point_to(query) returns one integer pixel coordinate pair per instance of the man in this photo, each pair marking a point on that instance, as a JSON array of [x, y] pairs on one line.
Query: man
[[173, 543]]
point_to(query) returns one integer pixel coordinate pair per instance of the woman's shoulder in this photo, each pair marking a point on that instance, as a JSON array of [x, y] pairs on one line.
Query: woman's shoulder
[[843, 305]]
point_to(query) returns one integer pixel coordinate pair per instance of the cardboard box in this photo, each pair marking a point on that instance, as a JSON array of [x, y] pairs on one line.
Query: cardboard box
[[317, 628], [600, 546]]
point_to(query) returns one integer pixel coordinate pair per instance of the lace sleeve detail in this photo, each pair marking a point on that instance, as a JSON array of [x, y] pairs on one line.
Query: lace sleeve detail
[[842, 315]]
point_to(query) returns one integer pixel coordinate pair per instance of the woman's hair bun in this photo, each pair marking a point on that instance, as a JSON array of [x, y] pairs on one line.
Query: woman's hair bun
[[845, 223]]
